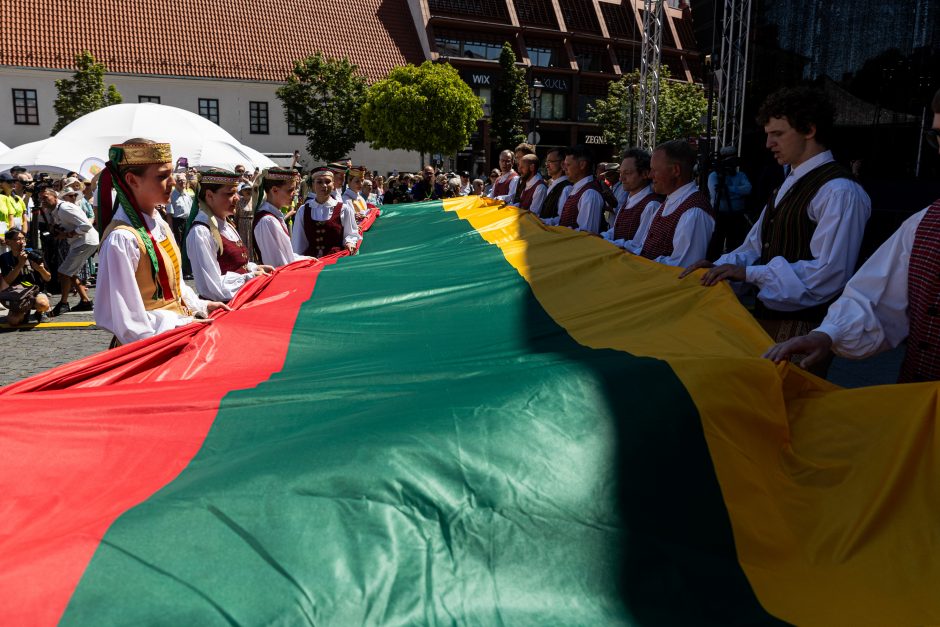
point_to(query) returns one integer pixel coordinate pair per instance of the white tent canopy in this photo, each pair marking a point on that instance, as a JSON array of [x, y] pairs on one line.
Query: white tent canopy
[[203, 143], [3, 148]]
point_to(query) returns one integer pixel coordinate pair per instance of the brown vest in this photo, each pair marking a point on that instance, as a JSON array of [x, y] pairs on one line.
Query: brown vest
[[787, 229], [324, 237]]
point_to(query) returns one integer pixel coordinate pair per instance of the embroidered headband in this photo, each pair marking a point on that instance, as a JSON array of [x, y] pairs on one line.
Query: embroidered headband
[[139, 154]]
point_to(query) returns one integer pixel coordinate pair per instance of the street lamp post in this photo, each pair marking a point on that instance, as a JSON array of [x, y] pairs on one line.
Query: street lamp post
[[535, 93]]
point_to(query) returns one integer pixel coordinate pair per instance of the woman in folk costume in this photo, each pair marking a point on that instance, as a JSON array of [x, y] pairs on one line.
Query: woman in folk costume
[[353, 194], [323, 225], [140, 290], [272, 239], [218, 256]]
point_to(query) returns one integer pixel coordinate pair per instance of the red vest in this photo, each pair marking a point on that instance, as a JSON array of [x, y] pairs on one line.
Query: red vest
[[254, 225], [569, 212], [501, 188], [324, 237], [233, 257], [528, 194], [628, 220], [663, 228], [922, 359]]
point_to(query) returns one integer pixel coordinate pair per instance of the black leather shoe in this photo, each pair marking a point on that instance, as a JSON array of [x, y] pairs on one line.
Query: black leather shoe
[[85, 305]]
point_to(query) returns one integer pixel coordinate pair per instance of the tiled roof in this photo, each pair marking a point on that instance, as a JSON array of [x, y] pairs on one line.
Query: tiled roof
[[229, 39]]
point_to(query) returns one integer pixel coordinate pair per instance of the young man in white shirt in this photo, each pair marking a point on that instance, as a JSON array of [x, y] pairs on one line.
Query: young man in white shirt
[[803, 248], [583, 206], [894, 296]]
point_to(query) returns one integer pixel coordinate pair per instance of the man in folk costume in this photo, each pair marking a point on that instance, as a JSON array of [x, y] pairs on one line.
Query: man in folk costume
[[558, 187], [584, 204], [639, 199], [679, 230], [353, 194], [219, 257], [324, 225], [532, 184], [140, 290], [803, 248], [504, 188], [893, 296], [272, 241]]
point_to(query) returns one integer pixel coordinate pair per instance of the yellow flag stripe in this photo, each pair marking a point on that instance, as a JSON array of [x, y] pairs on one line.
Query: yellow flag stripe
[[833, 494]]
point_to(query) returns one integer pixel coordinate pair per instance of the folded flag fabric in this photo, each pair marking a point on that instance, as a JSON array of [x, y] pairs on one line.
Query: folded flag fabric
[[476, 420]]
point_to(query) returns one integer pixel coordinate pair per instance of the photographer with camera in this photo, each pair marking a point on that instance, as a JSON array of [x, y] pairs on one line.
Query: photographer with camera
[[74, 227], [21, 273], [728, 187]]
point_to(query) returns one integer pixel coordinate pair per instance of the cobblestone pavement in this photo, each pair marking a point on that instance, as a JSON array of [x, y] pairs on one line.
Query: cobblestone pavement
[[24, 353]]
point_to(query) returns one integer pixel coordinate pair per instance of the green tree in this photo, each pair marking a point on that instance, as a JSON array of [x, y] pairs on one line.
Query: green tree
[[510, 101], [427, 108], [682, 106], [323, 97], [84, 92]]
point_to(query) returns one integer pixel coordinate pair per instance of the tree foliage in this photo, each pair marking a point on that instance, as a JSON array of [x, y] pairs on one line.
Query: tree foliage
[[84, 92], [682, 106], [323, 96], [510, 101], [427, 108]]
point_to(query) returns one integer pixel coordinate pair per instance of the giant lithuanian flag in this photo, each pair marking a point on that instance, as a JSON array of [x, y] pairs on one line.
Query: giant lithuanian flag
[[478, 420]]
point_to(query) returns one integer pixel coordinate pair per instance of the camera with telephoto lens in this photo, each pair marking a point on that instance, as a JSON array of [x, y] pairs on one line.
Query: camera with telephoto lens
[[34, 255], [30, 187]]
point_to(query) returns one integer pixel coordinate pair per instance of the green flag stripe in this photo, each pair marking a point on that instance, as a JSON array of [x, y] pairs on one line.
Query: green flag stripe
[[436, 450]]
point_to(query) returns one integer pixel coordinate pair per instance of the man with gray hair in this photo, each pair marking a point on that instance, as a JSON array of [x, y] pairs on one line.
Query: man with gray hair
[[678, 232]]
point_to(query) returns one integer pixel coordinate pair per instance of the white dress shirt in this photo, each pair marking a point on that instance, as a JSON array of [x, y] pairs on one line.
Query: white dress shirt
[[272, 238], [590, 206], [553, 220], [512, 186], [72, 218], [539, 196], [631, 201], [840, 210], [871, 315], [323, 212], [203, 255], [119, 307], [692, 234]]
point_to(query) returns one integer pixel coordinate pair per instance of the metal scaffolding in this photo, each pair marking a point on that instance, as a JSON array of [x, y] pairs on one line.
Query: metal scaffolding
[[648, 109], [731, 73]]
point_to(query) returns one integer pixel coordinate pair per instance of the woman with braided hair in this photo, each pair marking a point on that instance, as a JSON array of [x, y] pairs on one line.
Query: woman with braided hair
[[218, 256], [140, 291]]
